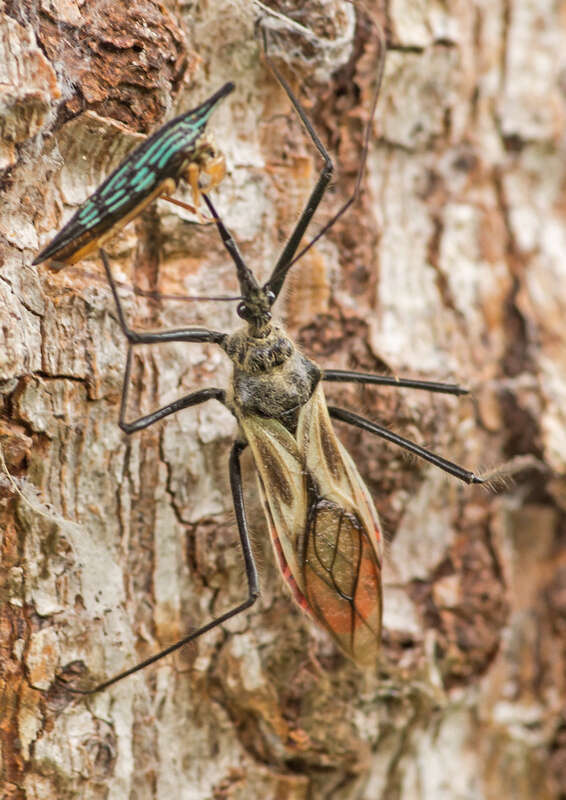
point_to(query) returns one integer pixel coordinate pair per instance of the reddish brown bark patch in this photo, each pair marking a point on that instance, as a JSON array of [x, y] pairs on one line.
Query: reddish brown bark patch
[[470, 615], [124, 60]]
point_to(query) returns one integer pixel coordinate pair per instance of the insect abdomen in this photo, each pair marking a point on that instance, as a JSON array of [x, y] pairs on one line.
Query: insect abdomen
[[323, 525]]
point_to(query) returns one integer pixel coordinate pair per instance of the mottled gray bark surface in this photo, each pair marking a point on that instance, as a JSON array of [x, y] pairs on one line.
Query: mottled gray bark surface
[[451, 267]]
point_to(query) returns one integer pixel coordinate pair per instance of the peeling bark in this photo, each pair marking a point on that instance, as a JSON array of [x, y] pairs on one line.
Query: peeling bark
[[450, 267]]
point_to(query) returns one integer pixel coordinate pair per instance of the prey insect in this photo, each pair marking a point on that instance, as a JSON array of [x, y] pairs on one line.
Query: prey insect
[[179, 149], [322, 520]]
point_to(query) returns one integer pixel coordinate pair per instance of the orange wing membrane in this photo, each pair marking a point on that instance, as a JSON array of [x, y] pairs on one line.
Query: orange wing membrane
[[323, 525]]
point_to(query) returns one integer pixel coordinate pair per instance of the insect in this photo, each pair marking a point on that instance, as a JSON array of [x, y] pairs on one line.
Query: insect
[[179, 149], [322, 520]]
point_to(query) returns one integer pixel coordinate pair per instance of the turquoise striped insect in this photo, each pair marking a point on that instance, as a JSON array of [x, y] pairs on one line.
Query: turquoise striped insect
[[179, 149]]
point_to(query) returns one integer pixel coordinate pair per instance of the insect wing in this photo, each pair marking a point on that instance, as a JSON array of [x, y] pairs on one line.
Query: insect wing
[[151, 169], [283, 485], [323, 526], [343, 547]]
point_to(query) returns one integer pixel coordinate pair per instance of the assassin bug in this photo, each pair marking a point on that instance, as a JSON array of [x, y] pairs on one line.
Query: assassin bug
[[179, 149], [322, 521]]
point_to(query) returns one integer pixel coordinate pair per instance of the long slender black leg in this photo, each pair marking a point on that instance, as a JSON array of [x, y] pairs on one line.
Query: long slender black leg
[[240, 511], [251, 575], [193, 399], [438, 461], [280, 270], [186, 335], [347, 376], [146, 337], [289, 255]]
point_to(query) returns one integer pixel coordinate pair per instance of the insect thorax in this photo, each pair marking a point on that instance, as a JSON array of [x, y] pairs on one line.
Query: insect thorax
[[272, 378]]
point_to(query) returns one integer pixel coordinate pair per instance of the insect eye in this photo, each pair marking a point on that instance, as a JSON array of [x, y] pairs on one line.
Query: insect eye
[[270, 296], [242, 311]]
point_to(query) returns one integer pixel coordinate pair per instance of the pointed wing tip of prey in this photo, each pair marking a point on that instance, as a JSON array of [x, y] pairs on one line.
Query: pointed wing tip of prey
[[49, 253], [46, 254], [221, 93]]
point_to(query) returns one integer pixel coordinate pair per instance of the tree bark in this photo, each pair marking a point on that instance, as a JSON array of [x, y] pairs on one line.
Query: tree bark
[[450, 267]]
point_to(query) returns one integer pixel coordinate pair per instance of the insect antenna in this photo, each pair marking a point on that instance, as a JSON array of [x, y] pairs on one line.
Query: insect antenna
[[154, 294]]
